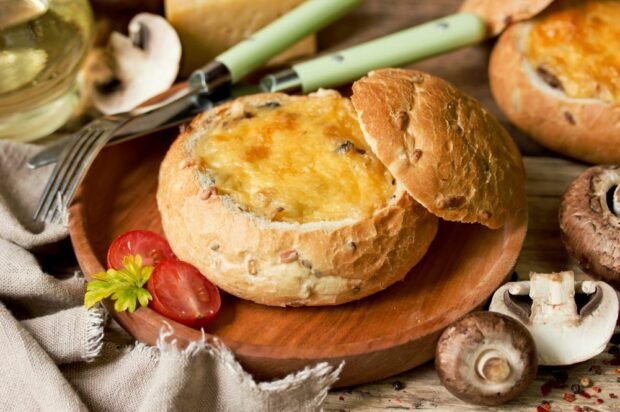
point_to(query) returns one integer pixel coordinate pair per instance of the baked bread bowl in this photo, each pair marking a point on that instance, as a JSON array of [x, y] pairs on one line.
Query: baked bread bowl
[[557, 77], [284, 201]]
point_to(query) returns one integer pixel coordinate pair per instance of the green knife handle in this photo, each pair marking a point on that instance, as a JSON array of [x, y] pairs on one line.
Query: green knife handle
[[407, 46], [310, 16]]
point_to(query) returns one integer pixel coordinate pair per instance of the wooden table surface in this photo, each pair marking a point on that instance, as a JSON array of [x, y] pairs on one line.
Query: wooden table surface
[[542, 252]]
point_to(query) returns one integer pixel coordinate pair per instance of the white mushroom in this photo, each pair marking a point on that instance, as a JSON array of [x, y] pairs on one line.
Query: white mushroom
[[563, 335], [145, 64]]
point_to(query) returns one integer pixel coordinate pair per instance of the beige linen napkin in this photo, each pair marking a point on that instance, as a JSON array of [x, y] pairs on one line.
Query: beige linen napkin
[[54, 355]]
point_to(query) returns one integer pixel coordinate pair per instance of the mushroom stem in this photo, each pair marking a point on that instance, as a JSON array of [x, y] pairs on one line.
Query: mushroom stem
[[136, 34], [486, 358], [587, 286], [493, 366], [564, 333]]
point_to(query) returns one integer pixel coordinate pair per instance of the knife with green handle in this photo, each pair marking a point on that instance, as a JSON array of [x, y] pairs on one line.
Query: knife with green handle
[[407, 46], [334, 69], [253, 52]]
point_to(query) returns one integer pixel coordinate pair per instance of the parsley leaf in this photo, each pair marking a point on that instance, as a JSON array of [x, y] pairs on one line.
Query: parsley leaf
[[124, 286]]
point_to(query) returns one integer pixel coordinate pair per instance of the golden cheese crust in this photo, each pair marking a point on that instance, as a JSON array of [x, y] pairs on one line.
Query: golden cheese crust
[[583, 128], [451, 155], [283, 263]]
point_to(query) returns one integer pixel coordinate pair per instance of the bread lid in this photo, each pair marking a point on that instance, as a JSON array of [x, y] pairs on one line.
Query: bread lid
[[500, 14], [450, 154]]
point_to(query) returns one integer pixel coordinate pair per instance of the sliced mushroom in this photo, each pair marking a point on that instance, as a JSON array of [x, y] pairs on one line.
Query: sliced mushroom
[[486, 358], [590, 222], [145, 64], [553, 315]]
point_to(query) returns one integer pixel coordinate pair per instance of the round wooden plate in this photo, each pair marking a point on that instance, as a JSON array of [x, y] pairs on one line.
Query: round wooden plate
[[379, 336]]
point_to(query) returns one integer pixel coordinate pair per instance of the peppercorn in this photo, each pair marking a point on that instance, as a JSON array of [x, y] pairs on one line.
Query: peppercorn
[[560, 375], [576, 388], [614, 350], [397, 385]]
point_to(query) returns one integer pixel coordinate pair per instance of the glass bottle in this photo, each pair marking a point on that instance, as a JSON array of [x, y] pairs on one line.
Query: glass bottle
[[42, 46]]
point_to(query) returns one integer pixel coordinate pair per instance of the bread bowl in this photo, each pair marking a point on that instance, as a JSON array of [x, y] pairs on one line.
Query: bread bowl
[[234, 203], [557, 77]]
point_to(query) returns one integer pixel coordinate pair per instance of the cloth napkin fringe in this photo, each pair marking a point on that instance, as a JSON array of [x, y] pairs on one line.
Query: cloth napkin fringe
[[96, 321], [323, 374]]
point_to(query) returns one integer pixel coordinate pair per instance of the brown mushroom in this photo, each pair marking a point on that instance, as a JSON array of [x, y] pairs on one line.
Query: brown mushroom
[[590, 222], [486, 358], [145, 64]]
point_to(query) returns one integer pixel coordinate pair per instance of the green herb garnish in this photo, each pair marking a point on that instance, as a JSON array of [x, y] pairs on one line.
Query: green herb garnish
[[124, 286]]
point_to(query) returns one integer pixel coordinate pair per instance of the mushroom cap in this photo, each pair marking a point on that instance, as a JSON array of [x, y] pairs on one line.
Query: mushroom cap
[[500, 14], [145, 65], [590, 222], [486, 358]]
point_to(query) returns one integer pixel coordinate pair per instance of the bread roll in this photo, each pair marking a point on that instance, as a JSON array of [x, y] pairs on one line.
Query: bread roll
[[286, 200], [558, 79], [451, 155], [281, 245]]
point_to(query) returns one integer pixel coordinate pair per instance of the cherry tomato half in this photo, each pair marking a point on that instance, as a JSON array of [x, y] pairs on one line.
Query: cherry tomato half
[[152, 247], [181, 293]]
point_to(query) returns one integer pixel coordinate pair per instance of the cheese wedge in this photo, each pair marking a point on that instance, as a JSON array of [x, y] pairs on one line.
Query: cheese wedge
[[209, 27]]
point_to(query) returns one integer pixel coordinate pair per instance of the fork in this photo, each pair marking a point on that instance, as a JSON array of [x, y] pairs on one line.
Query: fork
[[69, 171], [82, 148]]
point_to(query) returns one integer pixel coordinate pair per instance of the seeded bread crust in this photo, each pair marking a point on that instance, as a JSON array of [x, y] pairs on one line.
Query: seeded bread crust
[[585, 129], [499, 14], [279, 263], [451, 155]]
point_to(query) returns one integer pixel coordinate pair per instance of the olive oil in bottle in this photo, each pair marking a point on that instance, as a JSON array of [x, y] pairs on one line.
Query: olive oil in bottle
[[42, 46]]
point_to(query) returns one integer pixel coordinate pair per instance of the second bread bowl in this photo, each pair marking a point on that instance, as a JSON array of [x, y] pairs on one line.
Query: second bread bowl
[[312, 200], [557, 78]]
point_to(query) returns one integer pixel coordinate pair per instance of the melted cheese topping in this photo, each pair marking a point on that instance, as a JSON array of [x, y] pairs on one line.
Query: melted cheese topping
[[574, 47], [302, 161]]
